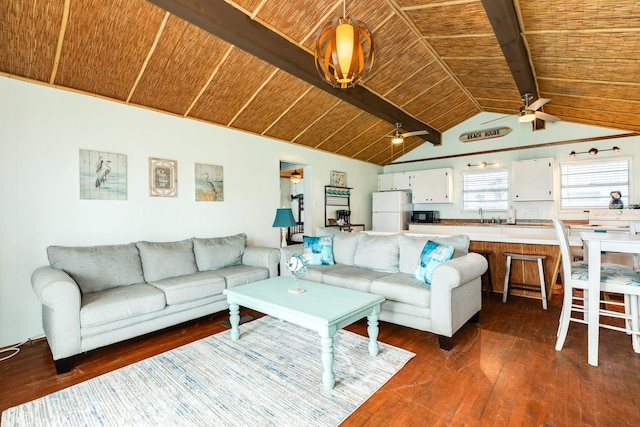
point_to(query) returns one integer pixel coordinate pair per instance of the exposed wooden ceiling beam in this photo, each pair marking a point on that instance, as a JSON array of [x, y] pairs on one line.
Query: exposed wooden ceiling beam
[[233, 26], [502, 15]]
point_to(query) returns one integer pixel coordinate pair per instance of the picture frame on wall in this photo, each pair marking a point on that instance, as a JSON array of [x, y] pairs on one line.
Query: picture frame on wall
[[163, 177], [338, 179], [103, 175], [209, 181]]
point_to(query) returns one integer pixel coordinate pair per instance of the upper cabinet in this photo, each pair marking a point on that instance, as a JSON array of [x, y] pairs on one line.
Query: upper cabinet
[[532, 180], [394, 181], [431, 186]]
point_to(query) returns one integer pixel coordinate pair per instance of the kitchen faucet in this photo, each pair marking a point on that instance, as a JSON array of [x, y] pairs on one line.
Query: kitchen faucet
[[481, 217]]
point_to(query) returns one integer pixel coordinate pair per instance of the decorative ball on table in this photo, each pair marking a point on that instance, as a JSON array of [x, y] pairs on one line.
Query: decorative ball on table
[[297, 265]]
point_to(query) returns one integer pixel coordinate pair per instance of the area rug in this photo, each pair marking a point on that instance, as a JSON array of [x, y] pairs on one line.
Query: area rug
[[271, 376]]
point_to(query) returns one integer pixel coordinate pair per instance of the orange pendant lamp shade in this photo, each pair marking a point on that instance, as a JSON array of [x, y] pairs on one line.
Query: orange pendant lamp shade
[[344, 52]]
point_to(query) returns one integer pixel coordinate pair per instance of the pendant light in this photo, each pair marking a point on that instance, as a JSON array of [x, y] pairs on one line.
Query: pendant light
[[295, 177], [344, 52]]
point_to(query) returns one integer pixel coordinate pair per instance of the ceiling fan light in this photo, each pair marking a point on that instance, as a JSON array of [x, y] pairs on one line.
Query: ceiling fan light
[[527, 117], [397, 140]]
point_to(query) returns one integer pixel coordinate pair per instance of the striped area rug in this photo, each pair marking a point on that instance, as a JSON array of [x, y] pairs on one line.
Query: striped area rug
[[271, 376]]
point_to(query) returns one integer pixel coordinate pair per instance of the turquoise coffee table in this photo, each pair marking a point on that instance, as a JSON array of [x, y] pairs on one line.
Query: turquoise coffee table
[[322, 308]]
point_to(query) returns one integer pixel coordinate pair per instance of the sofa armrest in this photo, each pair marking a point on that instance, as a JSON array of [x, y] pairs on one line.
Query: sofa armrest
[[262, 256], [456, 292], [458, 271], [285, 254], [61, 299]]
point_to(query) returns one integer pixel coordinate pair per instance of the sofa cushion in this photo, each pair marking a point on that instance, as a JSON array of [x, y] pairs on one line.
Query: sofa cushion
[[192, 287], [432, 256], [318, 250], [379, 253], [411, 247], [110, 305], [161, 260], [96, 268], [242, 274], [219, 252], [355, 278], [404, 288], [344, 244], [315, 273]]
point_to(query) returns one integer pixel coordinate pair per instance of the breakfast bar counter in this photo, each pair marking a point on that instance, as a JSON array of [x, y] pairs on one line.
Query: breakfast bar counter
[[498, 239]]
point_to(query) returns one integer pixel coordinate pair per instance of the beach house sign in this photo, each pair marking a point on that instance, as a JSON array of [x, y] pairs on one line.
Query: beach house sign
[[478, 135]]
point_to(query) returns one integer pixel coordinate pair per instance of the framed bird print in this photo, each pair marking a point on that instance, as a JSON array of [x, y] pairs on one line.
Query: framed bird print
[[209, 183], [163, 177], [103, 176]]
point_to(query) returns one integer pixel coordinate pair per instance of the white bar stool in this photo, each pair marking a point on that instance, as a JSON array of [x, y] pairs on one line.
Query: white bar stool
[[525, 257]]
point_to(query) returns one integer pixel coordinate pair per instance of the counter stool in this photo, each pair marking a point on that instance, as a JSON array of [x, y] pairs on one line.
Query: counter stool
[[487, 284], [525, 257]]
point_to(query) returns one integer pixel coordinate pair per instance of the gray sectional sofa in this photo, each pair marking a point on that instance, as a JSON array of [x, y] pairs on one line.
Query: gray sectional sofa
[[96, 296], [385, 265]]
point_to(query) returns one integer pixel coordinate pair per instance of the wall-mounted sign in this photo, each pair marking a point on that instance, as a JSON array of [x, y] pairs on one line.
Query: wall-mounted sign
[[479, 135]]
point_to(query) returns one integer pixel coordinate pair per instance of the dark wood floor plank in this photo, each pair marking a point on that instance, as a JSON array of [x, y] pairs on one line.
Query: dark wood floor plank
[[503, 371]]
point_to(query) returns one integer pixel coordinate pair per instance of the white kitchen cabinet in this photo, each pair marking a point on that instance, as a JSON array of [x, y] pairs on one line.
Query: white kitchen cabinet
[[431, 186], [532, 180], [393, 181]]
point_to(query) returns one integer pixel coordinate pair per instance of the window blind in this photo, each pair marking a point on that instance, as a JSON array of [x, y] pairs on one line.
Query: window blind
[[486, 190], [589, 184]]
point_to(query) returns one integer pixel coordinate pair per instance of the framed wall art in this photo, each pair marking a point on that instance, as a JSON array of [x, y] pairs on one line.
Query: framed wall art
[[163, 177], [209, 183], [338, 179], [103, 176]]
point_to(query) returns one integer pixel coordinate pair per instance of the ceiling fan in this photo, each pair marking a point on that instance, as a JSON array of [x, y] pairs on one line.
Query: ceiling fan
[[529, 112], [398, 138]]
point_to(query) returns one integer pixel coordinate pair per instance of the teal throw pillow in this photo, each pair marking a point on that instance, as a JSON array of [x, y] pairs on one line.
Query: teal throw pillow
[[318, 250], [432, 256]]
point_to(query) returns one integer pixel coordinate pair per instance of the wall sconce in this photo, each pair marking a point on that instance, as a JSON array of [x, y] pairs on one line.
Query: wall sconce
[[594, 151], [483, 165]]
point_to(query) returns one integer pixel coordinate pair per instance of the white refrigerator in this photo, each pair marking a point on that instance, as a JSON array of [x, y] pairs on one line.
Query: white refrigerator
[[390, 210]]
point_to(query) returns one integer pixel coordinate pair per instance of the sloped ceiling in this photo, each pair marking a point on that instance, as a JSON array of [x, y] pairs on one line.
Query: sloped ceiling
[[249, 65]]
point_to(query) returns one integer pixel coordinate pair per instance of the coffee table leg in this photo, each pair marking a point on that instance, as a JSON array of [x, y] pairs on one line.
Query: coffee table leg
[[372, 321], [234, 319], [328, 378]]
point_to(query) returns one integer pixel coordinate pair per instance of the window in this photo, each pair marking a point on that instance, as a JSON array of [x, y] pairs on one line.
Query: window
[[486, 190], [588, 184]]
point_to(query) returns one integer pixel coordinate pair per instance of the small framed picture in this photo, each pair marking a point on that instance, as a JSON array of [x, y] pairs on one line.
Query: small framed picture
[[163, 177], [338, 179]]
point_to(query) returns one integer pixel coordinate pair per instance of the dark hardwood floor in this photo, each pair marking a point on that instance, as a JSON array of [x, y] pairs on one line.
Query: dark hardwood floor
[[503, 371]]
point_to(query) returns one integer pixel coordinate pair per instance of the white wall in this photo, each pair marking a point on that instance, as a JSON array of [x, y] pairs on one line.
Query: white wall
[[521, 136], [41, 132]]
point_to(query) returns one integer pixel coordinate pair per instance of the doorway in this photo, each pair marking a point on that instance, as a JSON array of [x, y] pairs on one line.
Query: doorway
[[293, 179]]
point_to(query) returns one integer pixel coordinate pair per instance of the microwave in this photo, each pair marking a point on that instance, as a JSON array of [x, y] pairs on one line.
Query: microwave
[[425, 216]]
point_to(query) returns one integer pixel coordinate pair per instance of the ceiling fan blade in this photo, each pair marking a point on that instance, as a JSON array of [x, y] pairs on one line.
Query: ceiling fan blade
[[414, 133], [546, 117], [495, 120], [538, 103]]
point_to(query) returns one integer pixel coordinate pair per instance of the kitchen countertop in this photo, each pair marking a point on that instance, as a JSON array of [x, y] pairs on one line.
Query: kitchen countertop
[[499, 233]]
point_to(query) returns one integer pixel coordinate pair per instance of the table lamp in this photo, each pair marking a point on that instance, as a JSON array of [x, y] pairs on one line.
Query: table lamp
[[284, 218]]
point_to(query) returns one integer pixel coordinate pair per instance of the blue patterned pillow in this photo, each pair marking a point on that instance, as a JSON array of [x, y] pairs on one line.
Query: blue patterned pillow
[[318, 250], [432, 255]]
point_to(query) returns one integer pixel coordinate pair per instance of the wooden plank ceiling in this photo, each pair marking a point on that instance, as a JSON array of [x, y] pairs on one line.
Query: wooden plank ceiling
[[438, 63]]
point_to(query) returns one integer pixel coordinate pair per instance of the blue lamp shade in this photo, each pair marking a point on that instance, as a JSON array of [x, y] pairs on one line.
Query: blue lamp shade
[[284, 218]]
